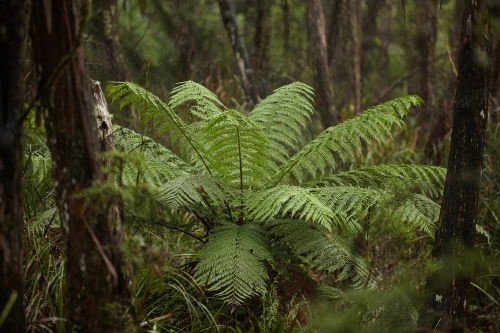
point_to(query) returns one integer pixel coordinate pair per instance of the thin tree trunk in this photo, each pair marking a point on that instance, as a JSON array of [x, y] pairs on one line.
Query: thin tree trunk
[[106, 144], [94, 281], [106, 28], [13, 26], [318, 50], [385, 31], [433, 152], [247, 75], [262, 38], [285, 8], [425, 43], [336, 30], [455, 235], [355, 21]]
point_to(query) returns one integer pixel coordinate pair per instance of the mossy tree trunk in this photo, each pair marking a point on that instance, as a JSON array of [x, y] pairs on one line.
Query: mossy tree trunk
[[95, 288], [455, 236], [13, 25]]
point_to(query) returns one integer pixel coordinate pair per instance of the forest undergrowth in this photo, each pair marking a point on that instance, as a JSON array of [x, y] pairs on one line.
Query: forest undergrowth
[[377, 288]]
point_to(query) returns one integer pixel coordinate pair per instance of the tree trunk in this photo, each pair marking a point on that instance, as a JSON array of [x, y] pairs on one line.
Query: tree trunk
[[247, 76], [107, 32], [355, 21], [336, 30], [455, 235], [94, 281], [318, 50], [425, 43], [262, 39], [13, 25]]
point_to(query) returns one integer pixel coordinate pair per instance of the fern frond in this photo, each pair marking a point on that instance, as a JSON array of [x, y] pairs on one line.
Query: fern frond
[[373, 125], [429, 180], [232, 262], [324, 251], [290, 201], [238, 149], [206, 103], [155, 164], [283, 115], [195, 191], [151, 108], [417, 210], [350, 202]]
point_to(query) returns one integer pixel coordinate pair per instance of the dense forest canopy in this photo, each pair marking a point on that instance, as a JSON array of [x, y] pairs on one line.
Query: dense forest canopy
[[249, 166]]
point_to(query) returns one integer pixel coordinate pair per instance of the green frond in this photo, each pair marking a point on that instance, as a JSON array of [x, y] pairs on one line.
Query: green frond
[[238, 149], [164, 119], [195, 191], [283, 115], [232, 262], [341, 141], [206, 103], [428, 180], [156, 164], [349, 202], [322, 250], [416, 210], [290, 201]]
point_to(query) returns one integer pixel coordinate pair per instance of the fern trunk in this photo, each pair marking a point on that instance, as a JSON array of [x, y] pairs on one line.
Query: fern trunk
[[455, 235], [13, 23]]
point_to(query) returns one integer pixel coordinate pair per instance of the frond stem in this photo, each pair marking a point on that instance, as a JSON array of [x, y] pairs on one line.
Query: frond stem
[[240, 160], [194, 147]]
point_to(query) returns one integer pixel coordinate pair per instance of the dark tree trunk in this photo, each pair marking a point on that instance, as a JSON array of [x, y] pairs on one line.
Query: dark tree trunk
[[336, 30], [434, 151], [385, 39], [455, 235], [425, 43], [13, 26], [355, 20], [262, 37], [247, 75], [94, 282], [318, 51]]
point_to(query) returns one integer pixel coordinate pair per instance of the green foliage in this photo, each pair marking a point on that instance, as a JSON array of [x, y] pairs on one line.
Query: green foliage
[[237, 179], [238, 272]]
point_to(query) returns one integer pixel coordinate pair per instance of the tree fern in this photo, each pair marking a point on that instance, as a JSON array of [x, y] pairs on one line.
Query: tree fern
[[233, 171]]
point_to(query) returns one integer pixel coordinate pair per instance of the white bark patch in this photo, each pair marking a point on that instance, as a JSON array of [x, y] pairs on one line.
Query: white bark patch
[[482, 114], [439, 298], [81, 262]]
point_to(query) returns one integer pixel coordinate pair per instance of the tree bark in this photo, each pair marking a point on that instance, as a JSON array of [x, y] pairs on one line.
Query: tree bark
[[425, 43], [262, 39], [356, 30], [107, 32], [94, 283], [455, 235], [247, 75], [13, 25], [318, 51]]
